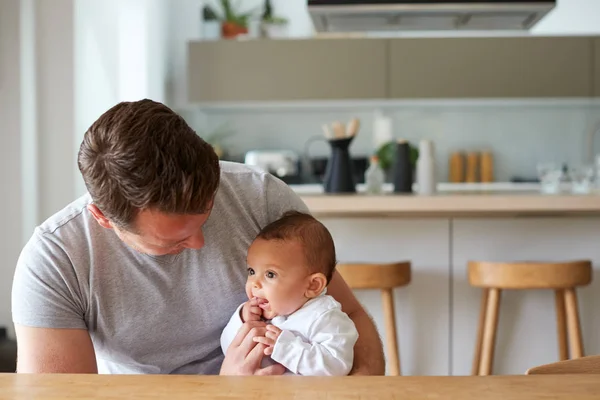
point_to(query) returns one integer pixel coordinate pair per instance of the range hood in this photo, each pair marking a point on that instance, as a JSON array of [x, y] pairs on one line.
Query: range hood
[[431, 15]]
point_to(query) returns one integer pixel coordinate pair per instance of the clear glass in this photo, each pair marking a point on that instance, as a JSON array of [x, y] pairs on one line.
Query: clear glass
[[550, 176], [581, 179], [374, 179]]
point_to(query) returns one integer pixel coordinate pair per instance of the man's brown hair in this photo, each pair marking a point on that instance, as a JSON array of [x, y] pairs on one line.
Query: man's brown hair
[[316, 241], [142, 155]]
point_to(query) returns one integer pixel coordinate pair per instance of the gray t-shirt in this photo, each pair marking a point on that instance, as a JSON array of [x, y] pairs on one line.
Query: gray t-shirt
[[148, 314]]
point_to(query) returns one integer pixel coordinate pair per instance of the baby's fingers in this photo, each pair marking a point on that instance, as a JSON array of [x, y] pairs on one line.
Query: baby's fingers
[[268, 351], [256, 310], [264, 340]]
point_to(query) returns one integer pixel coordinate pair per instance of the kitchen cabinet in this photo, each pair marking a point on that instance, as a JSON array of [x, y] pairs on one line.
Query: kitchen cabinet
[[490, 67], [272, 70], [596, 77]]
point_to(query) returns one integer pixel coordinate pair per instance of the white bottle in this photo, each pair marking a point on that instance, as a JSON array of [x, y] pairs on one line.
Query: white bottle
[[426, 180], [374, 177]]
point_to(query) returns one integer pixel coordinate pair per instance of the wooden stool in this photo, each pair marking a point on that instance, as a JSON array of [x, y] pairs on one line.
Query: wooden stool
[[495, 277], [583, 365], [384, 277]]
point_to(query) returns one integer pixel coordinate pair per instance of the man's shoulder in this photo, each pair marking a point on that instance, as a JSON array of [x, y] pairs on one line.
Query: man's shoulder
[[70, 215], [242, 174]]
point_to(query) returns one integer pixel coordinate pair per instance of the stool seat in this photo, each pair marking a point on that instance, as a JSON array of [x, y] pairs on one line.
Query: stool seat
[[530, 275], [384, 277], [376, 276], [562, 277]]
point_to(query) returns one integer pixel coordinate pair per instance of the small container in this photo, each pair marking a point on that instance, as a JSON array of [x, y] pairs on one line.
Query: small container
[[426, 180], [487, 167], [457, 168], [402, 171], [472, 174], [374, 177]]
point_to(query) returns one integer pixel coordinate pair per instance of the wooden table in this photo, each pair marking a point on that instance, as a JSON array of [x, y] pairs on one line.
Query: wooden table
[[149, 387]]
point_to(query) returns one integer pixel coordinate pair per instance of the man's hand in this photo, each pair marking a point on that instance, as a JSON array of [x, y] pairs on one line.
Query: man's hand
[[270, 338], [251, 311], [244, 355]]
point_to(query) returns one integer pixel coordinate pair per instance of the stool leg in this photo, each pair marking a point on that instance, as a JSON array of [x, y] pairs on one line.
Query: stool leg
[[389, 315], [489, 333], [573, 323], [477, 354], [561, 325]]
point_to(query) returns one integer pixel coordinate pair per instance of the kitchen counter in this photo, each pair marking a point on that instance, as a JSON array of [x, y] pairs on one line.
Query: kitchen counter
[[148, 387], [451, 200], [459, 204]]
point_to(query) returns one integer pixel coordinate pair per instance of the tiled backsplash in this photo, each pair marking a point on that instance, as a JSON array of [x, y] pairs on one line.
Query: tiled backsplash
[[519, 132]]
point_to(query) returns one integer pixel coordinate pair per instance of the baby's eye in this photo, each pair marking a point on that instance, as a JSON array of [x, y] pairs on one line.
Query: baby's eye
[[270, 275], [250, 271]]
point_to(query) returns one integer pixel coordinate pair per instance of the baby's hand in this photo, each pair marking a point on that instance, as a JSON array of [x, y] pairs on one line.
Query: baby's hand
[[251, 311], [269, 339]]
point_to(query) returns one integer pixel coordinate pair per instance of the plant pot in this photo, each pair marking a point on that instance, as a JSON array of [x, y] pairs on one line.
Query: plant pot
[[211, 30], [275, 31], [231, 30]]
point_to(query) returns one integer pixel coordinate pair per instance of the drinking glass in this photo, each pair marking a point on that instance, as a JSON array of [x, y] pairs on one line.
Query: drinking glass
[[550, 176], [581, 179]]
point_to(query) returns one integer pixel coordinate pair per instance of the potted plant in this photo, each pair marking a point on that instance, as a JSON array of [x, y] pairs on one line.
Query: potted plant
[[211, 25], [272, 26], [233, 24]]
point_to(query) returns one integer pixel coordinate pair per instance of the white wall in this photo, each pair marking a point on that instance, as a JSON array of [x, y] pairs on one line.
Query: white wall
[[10, 157], [120, 55], [571, 17]]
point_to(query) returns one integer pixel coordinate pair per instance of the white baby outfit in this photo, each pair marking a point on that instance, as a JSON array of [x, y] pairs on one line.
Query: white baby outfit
[[317, 339]]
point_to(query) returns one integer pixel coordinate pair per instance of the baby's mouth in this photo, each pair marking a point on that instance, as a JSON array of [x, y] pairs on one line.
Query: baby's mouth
[[263, 303]]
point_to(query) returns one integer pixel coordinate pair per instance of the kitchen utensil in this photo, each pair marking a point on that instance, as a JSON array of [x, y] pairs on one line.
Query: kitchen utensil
[[339, 175], [327, 131], [353, 127], [472, 174], [402, 170], [457, 167], [339, 130]]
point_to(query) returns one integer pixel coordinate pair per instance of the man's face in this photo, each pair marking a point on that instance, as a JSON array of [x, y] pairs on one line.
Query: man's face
[[160, 234]]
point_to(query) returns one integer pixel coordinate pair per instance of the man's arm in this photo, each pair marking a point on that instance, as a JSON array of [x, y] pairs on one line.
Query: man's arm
[[45, 350], [368, 351]]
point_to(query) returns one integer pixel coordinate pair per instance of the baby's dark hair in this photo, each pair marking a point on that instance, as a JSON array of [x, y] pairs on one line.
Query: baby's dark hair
[[316, 241]]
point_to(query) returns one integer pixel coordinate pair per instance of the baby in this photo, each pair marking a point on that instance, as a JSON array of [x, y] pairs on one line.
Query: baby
[[290, 264]]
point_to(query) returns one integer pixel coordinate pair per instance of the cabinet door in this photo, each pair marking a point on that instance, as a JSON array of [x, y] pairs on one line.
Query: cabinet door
[[267, 70], [490, 67], [596, 77]]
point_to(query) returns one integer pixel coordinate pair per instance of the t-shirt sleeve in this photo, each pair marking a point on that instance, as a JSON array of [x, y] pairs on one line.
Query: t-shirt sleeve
[[281, 198], [45, 292]]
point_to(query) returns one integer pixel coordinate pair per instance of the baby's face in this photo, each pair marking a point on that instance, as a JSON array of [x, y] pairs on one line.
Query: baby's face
[[277, 276]]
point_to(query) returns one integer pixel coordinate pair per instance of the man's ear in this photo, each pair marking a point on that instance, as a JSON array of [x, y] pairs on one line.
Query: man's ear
[[317, 282], [99, 216]]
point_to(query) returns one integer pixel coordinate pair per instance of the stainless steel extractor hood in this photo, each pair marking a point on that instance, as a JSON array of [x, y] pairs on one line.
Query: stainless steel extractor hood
[[434, 15]]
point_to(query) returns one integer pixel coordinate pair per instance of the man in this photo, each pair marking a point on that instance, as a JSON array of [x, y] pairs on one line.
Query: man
[[141, 274]]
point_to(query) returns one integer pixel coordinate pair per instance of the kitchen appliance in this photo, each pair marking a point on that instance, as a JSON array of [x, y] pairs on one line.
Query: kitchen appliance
[[432, 15], [284, 164]]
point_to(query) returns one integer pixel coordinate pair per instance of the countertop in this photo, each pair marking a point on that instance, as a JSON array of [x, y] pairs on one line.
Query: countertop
[[490, 200], [150, 387]]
